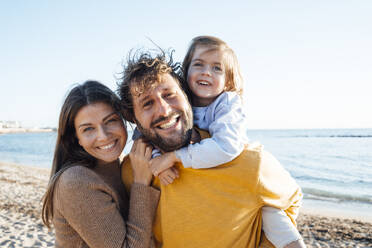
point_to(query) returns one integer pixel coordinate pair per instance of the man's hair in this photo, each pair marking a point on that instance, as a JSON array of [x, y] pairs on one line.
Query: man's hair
[[142, 72]]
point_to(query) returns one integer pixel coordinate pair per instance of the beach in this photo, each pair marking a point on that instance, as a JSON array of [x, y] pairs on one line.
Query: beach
[[22, 187]]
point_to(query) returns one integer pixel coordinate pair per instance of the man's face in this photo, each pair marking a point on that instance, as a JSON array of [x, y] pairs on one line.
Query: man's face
[[163, 114]]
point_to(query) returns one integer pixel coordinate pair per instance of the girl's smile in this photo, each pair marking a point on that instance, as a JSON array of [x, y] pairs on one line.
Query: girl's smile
[[206, 75]]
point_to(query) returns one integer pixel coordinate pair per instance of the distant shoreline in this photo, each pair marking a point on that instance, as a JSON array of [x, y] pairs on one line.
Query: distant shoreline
[[26, 130]]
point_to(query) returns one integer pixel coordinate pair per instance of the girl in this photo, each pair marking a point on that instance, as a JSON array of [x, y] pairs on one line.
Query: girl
[[86, 200], [215, 86]]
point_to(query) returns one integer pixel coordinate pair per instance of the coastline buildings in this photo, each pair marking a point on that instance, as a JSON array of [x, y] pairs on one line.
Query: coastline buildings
[[10, 124], [15, 127]]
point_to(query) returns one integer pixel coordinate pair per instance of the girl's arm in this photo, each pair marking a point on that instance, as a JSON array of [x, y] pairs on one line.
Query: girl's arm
[[279, 228], [226, 123]]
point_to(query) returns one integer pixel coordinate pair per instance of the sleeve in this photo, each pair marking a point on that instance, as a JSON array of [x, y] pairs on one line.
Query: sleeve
[[88, 205], [276, 188], [278, 227], [136, 134], [227, 140], [155, 153]]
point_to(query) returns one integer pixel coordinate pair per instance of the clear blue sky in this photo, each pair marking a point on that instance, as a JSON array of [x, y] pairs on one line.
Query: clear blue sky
[[306, 64]]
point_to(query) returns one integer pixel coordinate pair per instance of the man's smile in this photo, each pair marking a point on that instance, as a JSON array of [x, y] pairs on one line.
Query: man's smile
[[167, 122], [171, 122]]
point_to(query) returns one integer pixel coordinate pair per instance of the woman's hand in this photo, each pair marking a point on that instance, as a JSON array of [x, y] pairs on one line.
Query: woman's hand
[[140, 156]]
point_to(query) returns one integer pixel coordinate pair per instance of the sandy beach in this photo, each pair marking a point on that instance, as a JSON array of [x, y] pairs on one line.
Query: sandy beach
[[22, 187]]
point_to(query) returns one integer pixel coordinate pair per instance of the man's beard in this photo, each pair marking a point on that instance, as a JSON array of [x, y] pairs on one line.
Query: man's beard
[[170, 144]]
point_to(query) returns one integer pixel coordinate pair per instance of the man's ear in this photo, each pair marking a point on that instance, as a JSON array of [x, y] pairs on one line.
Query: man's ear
[[128, 115]]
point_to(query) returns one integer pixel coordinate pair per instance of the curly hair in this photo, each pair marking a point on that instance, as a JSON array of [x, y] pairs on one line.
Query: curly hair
[[142, 72]]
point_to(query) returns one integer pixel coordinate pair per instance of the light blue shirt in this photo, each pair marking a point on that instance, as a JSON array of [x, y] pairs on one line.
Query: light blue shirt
[[225, 120]]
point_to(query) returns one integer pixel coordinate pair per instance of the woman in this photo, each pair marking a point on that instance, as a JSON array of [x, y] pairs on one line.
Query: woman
[[86, 200]]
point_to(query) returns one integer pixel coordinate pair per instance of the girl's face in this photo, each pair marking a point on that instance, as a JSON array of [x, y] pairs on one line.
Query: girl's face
[[100, 131], [206, 75]]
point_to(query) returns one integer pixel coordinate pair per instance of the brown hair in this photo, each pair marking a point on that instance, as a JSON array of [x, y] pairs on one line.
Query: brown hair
[[68, 152], [142, 72], [234, 80]]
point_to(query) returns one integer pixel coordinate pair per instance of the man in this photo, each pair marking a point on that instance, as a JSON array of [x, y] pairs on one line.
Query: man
[[218, 207]]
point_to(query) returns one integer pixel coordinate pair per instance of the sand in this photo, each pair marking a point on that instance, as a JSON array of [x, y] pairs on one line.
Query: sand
[[22, 187]]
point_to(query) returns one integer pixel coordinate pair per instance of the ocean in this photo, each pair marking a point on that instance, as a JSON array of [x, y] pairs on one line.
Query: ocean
[[333, 166]]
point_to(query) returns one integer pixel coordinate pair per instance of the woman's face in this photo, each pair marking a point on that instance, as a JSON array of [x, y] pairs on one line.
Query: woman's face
[[100, 131]]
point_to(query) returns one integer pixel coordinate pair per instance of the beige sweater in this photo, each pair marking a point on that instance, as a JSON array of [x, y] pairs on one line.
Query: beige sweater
[[91, 209]]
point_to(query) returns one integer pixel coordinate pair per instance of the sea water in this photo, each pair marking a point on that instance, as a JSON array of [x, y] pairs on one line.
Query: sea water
[[333, 165]]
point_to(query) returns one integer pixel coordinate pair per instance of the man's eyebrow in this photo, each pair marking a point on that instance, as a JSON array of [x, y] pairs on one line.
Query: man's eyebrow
[[144, 99]]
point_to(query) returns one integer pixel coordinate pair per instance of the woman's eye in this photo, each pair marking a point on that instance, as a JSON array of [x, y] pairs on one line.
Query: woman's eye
[[198, 64], [111, 120], [217, 68], [87, 129]]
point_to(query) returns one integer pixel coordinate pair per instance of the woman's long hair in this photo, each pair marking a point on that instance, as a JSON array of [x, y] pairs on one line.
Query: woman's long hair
[[68, 152]]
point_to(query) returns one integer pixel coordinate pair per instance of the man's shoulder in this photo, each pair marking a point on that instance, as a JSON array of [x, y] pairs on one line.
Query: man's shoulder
[[253, 151], [251, 157]]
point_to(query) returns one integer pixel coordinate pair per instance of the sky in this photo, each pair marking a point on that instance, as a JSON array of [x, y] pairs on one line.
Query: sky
[[306, 64]]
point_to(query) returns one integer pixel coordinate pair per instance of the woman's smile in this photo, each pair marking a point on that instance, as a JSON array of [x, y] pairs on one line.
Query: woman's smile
[[100, 131]]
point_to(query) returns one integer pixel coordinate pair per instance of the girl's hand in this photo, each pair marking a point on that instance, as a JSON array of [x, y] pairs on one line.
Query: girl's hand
[[163, 162], [168, 176], [140, 156]]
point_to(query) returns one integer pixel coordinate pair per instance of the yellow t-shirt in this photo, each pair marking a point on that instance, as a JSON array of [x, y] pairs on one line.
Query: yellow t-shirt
[[221, 207]]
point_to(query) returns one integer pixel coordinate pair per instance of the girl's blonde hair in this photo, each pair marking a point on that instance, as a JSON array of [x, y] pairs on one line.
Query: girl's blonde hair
[[234, 80]]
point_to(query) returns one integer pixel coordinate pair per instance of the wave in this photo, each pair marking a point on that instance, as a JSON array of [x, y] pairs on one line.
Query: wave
[[318, 194], [338, 179], [331, 136]]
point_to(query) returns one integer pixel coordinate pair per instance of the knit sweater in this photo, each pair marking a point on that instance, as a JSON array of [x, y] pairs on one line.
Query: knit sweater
[[91, 209], [221, 207]]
